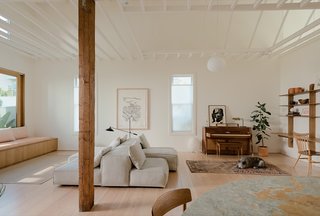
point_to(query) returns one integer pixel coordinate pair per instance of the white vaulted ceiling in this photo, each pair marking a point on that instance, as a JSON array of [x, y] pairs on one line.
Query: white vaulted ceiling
[[162, 29]]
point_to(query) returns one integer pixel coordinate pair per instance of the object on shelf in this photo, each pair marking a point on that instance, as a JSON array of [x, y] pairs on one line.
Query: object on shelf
[[304, 101], [311, 87], [293, 102], [294, 113], [291, 91], [298, 90]]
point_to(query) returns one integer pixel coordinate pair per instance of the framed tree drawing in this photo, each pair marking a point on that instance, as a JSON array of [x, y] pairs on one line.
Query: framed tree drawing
[[217, 115], [132, 108]]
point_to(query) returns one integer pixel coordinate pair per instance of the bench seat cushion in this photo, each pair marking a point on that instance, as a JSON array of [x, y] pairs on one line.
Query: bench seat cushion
[[153, 173]]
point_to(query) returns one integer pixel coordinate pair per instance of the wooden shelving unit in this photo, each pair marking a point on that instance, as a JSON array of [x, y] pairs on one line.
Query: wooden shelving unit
[[312, 116]]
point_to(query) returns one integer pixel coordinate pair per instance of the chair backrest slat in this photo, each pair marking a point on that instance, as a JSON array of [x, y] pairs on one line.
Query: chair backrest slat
[[302, 140], [171, 200]]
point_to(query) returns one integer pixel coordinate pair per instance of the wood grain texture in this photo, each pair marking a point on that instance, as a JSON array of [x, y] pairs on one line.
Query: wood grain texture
[[20, 153], [52, 200], [86, 102]]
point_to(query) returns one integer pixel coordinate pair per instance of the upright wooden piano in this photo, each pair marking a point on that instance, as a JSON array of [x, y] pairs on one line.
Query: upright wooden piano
[[225, 135]]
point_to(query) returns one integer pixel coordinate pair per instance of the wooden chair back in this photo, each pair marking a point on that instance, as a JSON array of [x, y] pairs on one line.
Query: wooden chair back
[[171, 200], [302, 140]]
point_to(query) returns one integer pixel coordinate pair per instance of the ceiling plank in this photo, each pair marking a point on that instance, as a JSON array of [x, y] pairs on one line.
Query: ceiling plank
[[130, 31], [255, 29], [43, 29], [280, 28], [100, 8], [295, 35]]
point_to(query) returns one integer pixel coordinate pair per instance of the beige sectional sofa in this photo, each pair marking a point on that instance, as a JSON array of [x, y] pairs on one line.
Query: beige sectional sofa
[[117, 167], [17, 146]]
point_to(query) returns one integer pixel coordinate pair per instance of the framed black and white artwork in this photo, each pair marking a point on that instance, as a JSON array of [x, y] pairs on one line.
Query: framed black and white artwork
[[132, 108], [217, 115]]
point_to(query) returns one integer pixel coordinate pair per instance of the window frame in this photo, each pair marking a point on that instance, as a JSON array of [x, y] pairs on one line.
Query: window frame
[[193, 130], [20, 100]]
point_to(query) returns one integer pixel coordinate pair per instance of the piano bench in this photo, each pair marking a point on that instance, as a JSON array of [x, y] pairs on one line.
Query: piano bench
[[238, 145]]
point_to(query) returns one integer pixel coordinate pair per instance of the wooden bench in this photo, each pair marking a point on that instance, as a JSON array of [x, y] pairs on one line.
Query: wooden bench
[[23, 149]]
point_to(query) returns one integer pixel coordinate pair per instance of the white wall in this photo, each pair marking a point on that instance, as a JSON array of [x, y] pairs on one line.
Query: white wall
[[239, 87], [299, 68], [13, 60]]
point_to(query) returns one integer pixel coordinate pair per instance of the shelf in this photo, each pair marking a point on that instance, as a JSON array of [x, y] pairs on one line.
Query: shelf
[[302, 116], [284, 105], [286, 135], [301, 93]]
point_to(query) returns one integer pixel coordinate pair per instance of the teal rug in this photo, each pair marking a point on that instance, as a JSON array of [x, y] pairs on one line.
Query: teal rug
[[263, 196]]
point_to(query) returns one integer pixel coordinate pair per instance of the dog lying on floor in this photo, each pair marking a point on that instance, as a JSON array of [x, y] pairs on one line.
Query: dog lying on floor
[[251, 162]]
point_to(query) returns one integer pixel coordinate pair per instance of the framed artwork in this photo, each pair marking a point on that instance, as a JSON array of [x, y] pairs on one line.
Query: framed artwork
[[132, 108], [217, 115]]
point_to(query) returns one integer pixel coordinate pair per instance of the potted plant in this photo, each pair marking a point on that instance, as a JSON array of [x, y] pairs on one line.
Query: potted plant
[[261, 125]]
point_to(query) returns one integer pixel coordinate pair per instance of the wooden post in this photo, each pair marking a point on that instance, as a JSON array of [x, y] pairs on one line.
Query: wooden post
[[87, 102]]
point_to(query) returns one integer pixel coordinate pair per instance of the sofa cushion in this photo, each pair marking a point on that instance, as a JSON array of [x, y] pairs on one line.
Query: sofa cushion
[[6, 135], [99, 152], [68, 174], [137, 156], [20, 132], [153, 173], [168, 153], [114, 143], [144, 141]]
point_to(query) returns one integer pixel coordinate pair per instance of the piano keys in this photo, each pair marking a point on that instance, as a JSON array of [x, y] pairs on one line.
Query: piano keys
[[225, 135]]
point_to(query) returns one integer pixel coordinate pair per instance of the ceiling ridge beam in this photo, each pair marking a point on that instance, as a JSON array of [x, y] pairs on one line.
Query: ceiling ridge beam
[[36, 24], [296, 34], [257, 3], [225, 7], [234, 4], [58, 27], [304, 2], [281, 3]]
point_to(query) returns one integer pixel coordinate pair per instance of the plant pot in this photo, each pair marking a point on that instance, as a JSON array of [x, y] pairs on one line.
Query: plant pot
[[263, 151]]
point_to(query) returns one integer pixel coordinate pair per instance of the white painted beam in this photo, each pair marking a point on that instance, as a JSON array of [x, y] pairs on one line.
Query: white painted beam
[[304, 2], [234, 4], [255, 29], [257, 4], [280, 28], [226, 7], [281, 3]]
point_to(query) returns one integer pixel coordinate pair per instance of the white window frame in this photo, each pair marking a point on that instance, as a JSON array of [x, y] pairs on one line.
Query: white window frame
[[193, 130]]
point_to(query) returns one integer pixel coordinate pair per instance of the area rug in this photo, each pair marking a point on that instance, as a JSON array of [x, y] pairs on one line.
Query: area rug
[[267, 195], [34, 171], [229, 167]]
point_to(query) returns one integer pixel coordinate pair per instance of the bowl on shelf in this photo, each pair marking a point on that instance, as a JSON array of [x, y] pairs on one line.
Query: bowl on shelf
[[303, 101]]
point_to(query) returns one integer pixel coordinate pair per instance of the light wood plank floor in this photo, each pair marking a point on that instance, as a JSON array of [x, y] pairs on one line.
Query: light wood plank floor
[[49, 199]]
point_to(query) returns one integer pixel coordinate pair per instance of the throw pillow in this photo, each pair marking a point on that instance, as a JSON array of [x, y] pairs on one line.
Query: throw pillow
[[20, 132], [114, 143], [123, 139], [6, 135], [144, 141], [98, 155], [137, 155]]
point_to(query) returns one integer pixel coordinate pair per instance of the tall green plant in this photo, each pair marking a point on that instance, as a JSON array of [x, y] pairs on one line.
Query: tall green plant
[[261, 125], [4, 123]]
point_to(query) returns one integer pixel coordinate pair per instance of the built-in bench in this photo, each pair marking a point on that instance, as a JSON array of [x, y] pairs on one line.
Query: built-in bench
[[16, 146]]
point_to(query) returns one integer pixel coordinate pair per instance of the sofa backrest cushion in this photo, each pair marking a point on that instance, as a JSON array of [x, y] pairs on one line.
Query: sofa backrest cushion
[[144, 141], [99, 152], [137, 155], [6, 135], [20, 132], [114, 143]]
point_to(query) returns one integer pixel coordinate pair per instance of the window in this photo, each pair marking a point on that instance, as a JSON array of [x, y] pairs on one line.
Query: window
[[182, 107], [11, 99], [76, 105]]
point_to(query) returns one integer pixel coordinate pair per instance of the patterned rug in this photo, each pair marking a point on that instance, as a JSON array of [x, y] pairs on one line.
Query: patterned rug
[[229, 167]]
